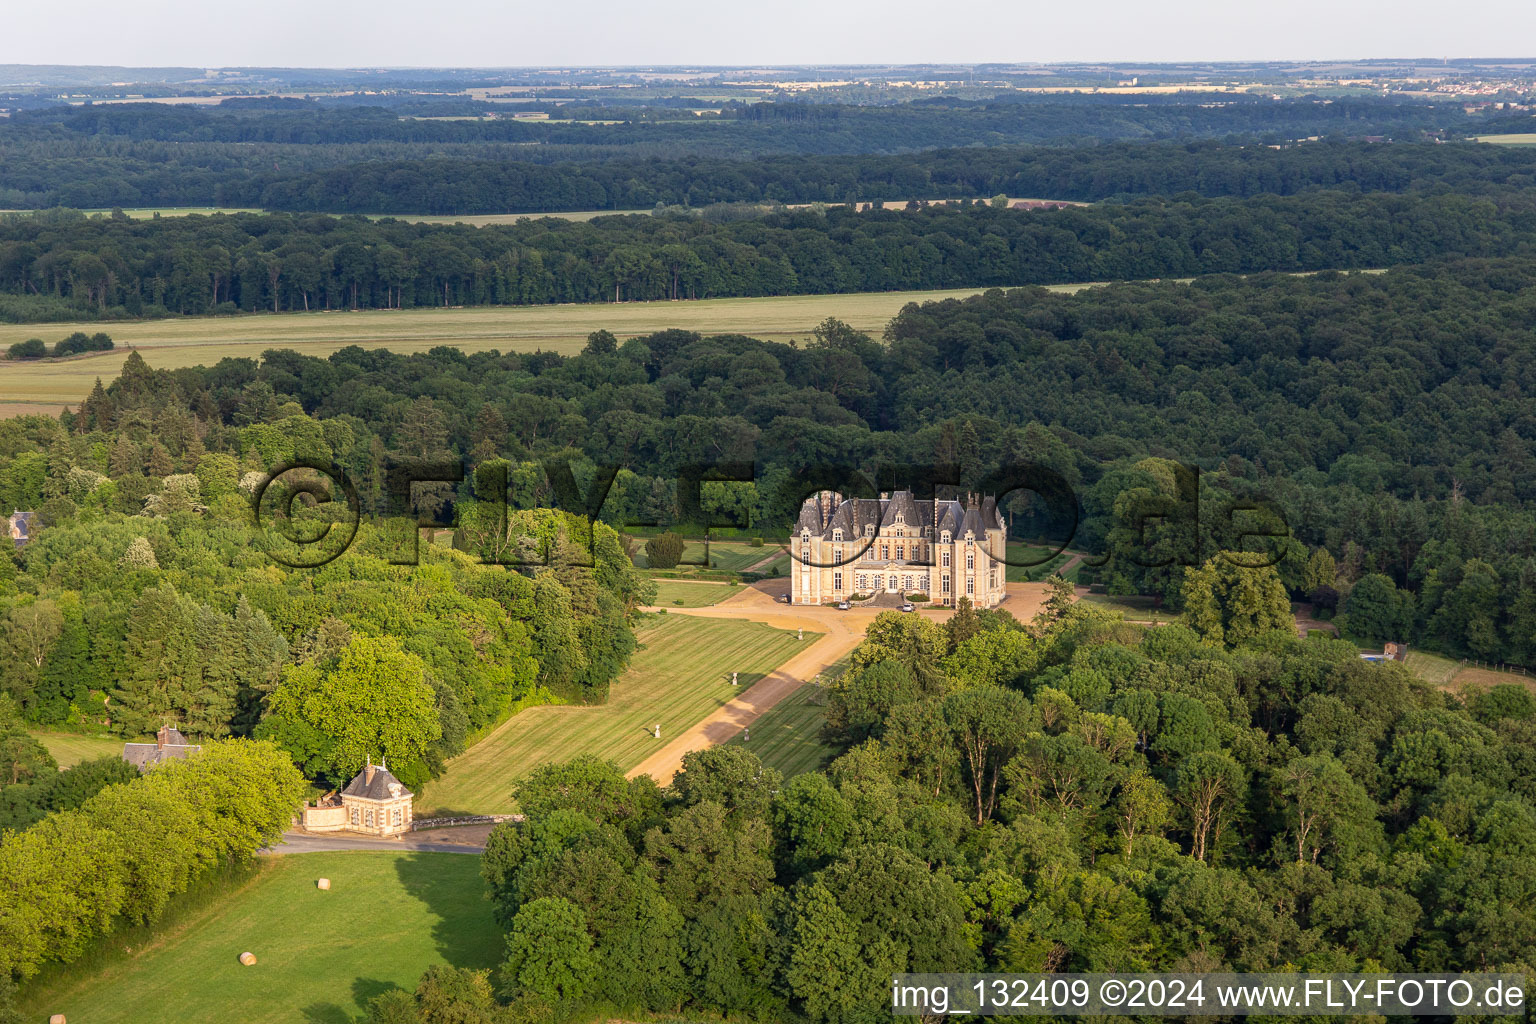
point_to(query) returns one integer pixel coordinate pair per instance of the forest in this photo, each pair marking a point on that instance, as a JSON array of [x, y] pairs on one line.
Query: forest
[[1383, 414], [62, 265], [235, 155]]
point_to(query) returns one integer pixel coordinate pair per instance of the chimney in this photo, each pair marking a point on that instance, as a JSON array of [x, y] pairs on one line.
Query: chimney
[[368, 773], [162, 737]]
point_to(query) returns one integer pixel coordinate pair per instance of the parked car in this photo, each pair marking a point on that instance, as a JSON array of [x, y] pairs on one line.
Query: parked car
[[843, 606], [782, 599], [909, 607]]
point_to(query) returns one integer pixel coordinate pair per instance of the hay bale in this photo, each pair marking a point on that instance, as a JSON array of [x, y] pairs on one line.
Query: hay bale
[[324, 883], [248, 958], [57, 1018]]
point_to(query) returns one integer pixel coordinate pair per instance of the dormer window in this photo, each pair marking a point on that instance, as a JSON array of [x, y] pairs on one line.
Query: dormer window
[[869, 529], [901, 517], [837, 535], [944, 537]]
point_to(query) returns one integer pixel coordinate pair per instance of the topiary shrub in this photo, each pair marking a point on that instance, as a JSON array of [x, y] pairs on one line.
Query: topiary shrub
[[664, 550]]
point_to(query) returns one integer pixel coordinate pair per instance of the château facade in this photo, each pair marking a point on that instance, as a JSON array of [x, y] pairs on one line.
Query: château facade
[[899, 545]]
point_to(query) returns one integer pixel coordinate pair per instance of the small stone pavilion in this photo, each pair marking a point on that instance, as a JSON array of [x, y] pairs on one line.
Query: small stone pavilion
[[373, 803]]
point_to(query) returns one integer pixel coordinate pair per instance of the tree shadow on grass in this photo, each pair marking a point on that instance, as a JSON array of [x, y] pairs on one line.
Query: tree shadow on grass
[[451, 887], [325, 1013]]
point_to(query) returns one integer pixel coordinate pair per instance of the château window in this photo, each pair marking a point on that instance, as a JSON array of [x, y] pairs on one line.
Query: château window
[[885, 551], [946, 559], [901, 552], [837, 556], [837, 535], [970, 585], [869, 529], [970, 560], [946, 583], [356, 816], [944, 537], [396, 816], [837, 581]]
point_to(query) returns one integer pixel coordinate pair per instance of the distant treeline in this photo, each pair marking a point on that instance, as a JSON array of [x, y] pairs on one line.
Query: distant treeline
[[459, 186], [162, 155], [64, 265]]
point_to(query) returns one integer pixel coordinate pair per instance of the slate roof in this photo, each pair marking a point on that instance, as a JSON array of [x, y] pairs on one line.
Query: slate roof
[[821, 515], [169, 745], [21, 523], [376, 788]]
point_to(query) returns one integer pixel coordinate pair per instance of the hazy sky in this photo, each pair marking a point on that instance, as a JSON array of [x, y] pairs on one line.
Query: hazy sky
[[346, 33]]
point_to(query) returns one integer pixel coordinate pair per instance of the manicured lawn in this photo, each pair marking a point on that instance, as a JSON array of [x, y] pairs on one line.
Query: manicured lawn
[[1135, 609], [682, 675], [788, 737], [683, 594], [70, 748], [1037, 570], [320, 956], [728, 555], [734, 556]]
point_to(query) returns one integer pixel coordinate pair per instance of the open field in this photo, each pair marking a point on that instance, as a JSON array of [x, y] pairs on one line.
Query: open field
[[686, 594], [1454, 674], [788, 735], [175, 343], [682, 675], [482, 219], [1522, 139], [70, 748], [320, 956]]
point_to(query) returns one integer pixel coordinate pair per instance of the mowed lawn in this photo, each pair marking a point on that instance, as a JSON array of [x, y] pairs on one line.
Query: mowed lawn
[[729, 555], [1039, 565], [70, 748], [320, 956], [686, 594], [175, 343], [788, 736], [682, 675]]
